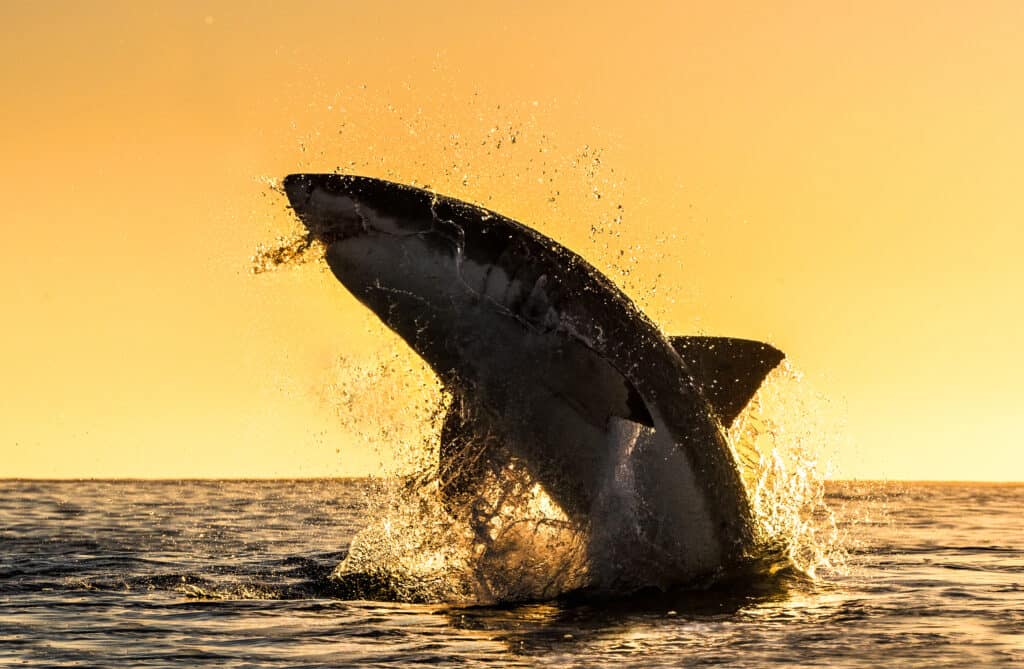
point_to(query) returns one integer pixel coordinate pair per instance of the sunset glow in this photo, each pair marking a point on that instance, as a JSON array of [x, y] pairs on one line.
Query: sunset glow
[[842, 180]]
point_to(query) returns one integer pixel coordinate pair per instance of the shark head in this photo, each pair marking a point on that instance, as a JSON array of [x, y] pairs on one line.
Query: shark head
[[389, 247], [376, 234], [335, 207]]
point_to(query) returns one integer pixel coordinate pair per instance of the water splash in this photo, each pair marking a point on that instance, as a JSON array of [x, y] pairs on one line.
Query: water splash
[[779, 442], [391, 404], [297, 247], [517, 544], [415, 549], [511, 542], [287, 250]]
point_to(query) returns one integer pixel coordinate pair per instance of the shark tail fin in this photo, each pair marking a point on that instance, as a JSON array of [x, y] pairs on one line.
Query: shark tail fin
[[730, 370]]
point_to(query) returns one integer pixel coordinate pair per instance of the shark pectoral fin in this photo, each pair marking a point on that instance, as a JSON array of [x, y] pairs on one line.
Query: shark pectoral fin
[[589, 384], [730, 370], [543, 407], [636, 408]]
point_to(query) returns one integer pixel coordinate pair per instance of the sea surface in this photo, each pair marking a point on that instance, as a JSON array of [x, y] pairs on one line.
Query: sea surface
[[233, 574]]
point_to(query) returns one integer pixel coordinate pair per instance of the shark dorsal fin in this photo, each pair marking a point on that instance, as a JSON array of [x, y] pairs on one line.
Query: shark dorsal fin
[[730, 370]]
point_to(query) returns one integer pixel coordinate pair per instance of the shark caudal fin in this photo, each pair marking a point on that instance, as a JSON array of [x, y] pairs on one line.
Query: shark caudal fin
[[731, 370]]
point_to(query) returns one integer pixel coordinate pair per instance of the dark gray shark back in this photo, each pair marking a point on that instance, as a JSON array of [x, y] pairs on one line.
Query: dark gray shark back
[[549, 355]]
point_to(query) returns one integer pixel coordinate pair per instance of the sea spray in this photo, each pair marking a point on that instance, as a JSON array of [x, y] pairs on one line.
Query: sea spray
[[509, 543], [512, 542], [780, 441]]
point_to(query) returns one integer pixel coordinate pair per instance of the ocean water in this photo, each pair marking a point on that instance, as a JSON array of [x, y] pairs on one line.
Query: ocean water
[[234, 573]]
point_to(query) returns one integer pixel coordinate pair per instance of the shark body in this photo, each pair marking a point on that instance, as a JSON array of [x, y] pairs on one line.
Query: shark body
[[550, 364]]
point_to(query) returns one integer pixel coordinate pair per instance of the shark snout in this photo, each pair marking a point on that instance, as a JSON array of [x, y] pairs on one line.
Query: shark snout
[[329, 213], [298, 188]]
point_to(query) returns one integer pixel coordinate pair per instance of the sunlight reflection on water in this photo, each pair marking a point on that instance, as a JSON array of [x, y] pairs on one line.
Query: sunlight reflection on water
[[91, 574]]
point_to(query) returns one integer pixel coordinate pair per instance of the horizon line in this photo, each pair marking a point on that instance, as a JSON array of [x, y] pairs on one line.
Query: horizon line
[[164, 479]]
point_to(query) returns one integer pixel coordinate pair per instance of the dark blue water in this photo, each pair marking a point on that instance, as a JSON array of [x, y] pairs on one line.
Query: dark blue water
[[233, 573]]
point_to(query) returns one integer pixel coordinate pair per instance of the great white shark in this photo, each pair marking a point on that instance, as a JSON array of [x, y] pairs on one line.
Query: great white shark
[[550, 364]]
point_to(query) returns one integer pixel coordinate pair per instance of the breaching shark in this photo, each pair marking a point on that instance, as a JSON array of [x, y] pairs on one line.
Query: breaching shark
[[549, 363]]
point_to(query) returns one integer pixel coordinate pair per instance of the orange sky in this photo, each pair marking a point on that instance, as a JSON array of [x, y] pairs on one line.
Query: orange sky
[[842, 179]]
